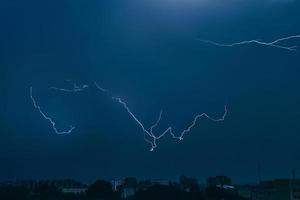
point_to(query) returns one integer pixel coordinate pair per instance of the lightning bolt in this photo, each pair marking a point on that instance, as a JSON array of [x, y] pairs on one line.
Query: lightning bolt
[[274, 44], [154, 137], [75, 88], [52, 122]]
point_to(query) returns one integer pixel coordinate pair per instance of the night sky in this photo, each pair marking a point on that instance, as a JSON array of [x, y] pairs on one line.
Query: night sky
[[147, 53]]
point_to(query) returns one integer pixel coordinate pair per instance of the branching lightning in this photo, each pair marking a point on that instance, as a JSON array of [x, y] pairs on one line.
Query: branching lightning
[[150, 133], [275, 43], [52, 122]]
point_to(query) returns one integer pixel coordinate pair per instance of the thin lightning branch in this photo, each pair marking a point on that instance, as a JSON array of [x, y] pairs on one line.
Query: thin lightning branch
[[275, 43], [157, 121], [48, 118], [75, 88], [100, 88], [150, 133]]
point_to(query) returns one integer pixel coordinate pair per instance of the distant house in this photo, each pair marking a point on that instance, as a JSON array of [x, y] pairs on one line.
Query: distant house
[[219, 181], [129, 186], [187, 183], [128, 192], [245, 191], [159, 182], [116, 184], [278, 189], [74, 190], [296, 191]]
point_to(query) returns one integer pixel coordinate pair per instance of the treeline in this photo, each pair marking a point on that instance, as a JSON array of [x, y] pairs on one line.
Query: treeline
[[131, 189]]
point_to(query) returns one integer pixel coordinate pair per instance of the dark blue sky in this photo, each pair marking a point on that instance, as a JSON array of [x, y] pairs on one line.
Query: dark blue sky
[[146, 52]]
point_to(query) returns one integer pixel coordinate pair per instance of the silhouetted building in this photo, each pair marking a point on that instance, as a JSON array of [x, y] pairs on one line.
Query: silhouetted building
[[74, 190], [159, 182], [295, 188], [188, 183], [218, 181], [130, 186], [279, 189], [245, 191], [116, 184]]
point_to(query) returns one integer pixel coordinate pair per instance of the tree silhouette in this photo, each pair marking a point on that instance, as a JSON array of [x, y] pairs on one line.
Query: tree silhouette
[[159, 192], [47, 192], [14, 193], [101, 190]]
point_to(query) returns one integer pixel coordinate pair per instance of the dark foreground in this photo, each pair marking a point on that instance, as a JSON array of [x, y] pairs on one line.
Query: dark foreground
[[129, 188]]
